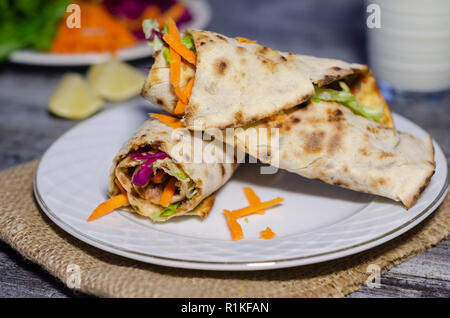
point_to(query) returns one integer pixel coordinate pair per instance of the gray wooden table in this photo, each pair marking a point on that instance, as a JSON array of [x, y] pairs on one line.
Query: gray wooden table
[[324, 28]]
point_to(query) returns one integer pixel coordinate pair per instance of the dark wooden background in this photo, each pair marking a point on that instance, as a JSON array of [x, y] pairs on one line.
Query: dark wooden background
[[325, 28]]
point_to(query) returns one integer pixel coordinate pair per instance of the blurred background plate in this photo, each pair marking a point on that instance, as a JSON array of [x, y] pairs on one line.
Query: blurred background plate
[[201, 15]]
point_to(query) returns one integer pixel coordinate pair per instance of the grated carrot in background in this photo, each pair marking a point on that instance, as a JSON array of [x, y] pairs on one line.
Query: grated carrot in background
[[99, 32]]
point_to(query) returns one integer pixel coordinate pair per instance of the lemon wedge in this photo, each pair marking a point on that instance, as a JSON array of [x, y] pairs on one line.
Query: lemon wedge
[[74, 99], [115, 80]]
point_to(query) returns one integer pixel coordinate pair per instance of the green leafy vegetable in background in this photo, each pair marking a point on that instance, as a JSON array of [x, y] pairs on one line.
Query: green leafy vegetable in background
[[29, 23], [346, 98]]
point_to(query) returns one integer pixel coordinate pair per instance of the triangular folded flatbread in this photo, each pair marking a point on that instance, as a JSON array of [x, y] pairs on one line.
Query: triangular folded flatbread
[[238, 83]]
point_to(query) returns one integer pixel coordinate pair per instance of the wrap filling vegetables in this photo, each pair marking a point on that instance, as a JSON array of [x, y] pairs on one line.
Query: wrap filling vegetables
[[155, 177]]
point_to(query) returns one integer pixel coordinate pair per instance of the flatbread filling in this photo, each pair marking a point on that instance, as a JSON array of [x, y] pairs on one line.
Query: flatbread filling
[[153, 176]]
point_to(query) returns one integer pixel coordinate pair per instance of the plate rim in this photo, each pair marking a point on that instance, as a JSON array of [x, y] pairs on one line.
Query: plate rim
[[246, 265]]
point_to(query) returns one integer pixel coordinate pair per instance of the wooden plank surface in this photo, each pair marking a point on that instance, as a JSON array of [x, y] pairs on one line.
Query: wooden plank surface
[[323, 28]]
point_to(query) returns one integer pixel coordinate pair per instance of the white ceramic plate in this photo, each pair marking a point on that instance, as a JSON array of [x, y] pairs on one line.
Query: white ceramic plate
[[201, 15], [315, 223]]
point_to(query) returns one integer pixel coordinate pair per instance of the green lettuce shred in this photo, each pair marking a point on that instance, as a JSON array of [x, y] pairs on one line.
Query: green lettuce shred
[[175, 170], [148, 25], [188, 42], [167, 211], [346, 98]]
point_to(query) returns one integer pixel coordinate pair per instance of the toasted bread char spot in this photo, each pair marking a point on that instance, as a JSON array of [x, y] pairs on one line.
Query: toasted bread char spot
[[268, 63], [222, 169], [384, 154], [295, 120], [221, 38], [263, 50], [159, 101], [334, 143], [341, 183], [335, 68], [335, 115], [314, 141], [238, 118], [221, 65], [372, 129], [363, 151], [240, 50]]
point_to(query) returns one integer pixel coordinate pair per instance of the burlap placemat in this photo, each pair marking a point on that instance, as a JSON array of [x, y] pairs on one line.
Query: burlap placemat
[[28, 230]]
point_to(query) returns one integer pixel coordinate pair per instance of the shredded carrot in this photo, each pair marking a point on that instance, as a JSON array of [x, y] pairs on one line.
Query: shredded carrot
[[168, 120], [159, 177], [174, 12], [181, 95], [267, 234], [109, 205], [175, 67], [256, 207], [173, 30], [252, 198], [188, 89], [244, 40], [179, 109], [168, 192], [119, 185], [180, 48], [235, 227], [175, 58], [99, 32]]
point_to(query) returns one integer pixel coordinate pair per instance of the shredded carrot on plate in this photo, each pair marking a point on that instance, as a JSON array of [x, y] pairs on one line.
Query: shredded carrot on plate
[[252, 198], [168, 192], [254, 208], [168, 120], [235, 227], [180, 48], [267, 234], [244, 40], [109, 205]]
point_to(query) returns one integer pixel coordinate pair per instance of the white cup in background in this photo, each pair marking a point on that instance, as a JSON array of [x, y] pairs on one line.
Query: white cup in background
[[411, 49]]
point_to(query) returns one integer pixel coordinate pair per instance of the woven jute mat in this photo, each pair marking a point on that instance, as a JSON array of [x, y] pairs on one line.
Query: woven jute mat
[[29, 231]]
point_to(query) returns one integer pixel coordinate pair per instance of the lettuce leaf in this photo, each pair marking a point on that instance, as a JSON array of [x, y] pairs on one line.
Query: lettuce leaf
[[148, 25], [167, 211], [346, 98], [188, 42]]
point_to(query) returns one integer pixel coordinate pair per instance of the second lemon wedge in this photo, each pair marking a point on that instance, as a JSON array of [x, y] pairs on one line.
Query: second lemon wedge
[[73, 98], [115, 80]]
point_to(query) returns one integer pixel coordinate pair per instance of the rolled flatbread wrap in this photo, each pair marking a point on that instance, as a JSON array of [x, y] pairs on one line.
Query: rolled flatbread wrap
[[152, 159], [238, 83], [326, 141]]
